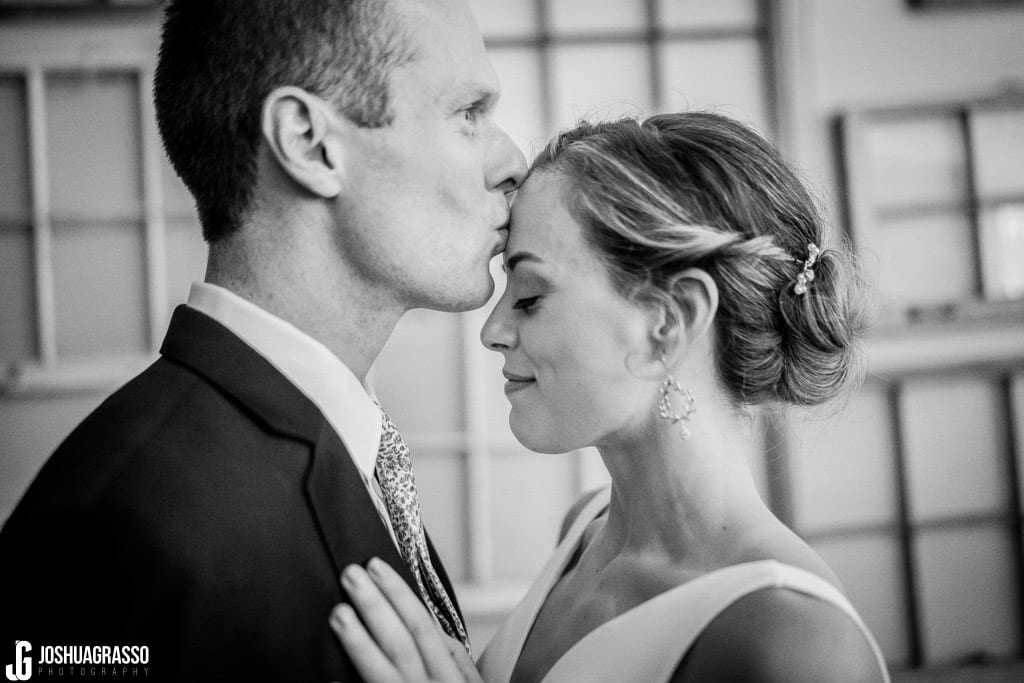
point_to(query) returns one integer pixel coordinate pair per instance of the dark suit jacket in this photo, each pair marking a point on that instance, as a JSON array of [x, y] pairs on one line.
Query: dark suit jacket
[[204, 510]]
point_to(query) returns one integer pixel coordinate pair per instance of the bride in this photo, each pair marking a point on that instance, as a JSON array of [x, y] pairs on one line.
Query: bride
[[663, 277]]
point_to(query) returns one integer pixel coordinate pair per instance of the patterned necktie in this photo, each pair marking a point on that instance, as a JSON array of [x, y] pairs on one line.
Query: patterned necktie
[[394, 472]]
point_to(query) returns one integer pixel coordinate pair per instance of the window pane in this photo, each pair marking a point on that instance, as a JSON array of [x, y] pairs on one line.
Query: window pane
[[999, 152], [440, 482], [521, 107], [186, 261], [968, 594], [17, 309], [17, 279], [842, 468], [30, 430], [726, 76], [105, 105], [917, 161], [418, 376], [506, 18], [100, 289], [524, 532], [185, 248], [599, 82], [870, 568], [702, 14], [1002, 250], [910, 274], [956, 451], [576, 16], [999, 173], [15, 198]]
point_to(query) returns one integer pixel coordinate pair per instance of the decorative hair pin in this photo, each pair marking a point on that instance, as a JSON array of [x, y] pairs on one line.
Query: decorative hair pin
[[806, 275]]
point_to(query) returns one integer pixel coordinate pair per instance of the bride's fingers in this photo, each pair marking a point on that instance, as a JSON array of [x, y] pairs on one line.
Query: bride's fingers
[[463, 662], [430, 640], [371, 663], [393, 637]]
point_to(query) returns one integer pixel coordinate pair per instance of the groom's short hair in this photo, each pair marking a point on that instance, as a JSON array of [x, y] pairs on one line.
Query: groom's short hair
[[219, 59]]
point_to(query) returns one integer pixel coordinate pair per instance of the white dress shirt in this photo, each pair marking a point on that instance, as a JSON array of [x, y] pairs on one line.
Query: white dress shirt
[[344, 401]]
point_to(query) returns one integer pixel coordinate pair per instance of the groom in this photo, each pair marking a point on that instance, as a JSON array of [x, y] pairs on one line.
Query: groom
[[346, 169]]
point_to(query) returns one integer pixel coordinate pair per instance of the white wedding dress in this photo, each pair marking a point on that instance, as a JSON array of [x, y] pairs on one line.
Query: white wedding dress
[[646, 643]]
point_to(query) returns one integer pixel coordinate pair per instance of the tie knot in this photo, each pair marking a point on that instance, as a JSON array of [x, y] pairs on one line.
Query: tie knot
[[385, 421], [391, 445]]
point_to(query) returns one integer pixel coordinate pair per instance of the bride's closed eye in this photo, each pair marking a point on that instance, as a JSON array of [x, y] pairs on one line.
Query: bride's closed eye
[[526, 304]]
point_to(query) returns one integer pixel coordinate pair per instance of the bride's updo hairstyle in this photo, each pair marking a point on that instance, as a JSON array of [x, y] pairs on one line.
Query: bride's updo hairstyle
[[677, 191]]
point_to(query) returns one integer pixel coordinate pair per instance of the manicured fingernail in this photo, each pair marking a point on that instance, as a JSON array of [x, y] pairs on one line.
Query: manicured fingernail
[[351, 576], [376, 567], [342, 616]]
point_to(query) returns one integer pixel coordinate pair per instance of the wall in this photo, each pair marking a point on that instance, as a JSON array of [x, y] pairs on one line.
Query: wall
[[911, 494]]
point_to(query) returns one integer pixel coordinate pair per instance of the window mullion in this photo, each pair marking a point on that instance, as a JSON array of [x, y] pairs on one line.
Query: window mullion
[[156, 256], [477, 461], [42, 234]]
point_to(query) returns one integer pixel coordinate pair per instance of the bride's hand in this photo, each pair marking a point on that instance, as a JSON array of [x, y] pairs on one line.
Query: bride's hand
[[397, 639]]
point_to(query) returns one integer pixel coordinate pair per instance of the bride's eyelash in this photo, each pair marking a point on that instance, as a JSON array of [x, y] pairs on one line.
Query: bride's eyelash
[[526, 303]]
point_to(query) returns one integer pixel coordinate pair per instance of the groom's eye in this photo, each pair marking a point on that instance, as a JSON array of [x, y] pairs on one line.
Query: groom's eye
[[525, 304]]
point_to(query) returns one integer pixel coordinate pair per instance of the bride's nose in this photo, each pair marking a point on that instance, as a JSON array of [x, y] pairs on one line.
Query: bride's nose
[[499, 333]]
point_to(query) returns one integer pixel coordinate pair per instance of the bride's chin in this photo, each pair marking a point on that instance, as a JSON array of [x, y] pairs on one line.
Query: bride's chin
[[537, 440]]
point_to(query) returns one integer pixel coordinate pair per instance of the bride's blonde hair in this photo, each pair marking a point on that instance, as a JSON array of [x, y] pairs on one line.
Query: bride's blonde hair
[[694, 189]]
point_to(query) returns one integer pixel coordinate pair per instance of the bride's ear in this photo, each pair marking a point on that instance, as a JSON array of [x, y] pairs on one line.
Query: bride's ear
[[696, 296], [673, 331]]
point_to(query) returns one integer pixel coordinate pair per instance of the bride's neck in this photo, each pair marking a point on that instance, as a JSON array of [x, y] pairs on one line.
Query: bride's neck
[[671, 497]]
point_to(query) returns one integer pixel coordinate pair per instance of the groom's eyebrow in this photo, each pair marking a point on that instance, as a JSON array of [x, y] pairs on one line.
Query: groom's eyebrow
[[516, 258], [477, 94]]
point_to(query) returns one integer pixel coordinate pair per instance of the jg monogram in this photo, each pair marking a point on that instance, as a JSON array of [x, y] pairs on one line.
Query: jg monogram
[[21, 670]]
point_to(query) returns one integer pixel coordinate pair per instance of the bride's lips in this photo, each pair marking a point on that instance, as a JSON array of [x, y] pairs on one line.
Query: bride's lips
[[516, 382]]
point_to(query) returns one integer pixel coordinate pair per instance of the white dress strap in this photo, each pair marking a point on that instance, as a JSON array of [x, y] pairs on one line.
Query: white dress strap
[[647, 642]]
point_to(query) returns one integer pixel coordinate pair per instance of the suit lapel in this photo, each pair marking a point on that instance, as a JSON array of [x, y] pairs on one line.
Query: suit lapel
[[435, 559], [213, 351], [347, 519]]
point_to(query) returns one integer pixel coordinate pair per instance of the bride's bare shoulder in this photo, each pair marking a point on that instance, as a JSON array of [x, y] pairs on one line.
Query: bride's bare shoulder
[[776, 634], [773, 540]]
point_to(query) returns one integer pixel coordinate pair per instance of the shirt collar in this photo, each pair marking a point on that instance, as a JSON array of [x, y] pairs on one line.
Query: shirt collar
[[308, 364]]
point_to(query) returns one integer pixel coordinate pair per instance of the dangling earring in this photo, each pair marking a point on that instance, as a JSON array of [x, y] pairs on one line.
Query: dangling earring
[[665, 411]]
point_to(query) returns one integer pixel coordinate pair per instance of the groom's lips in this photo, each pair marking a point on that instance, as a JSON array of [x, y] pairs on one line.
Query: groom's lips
[[516, 382], [502, 241]]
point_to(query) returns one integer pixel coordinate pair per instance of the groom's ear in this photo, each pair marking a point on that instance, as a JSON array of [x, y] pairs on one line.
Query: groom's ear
[[301, 132]]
